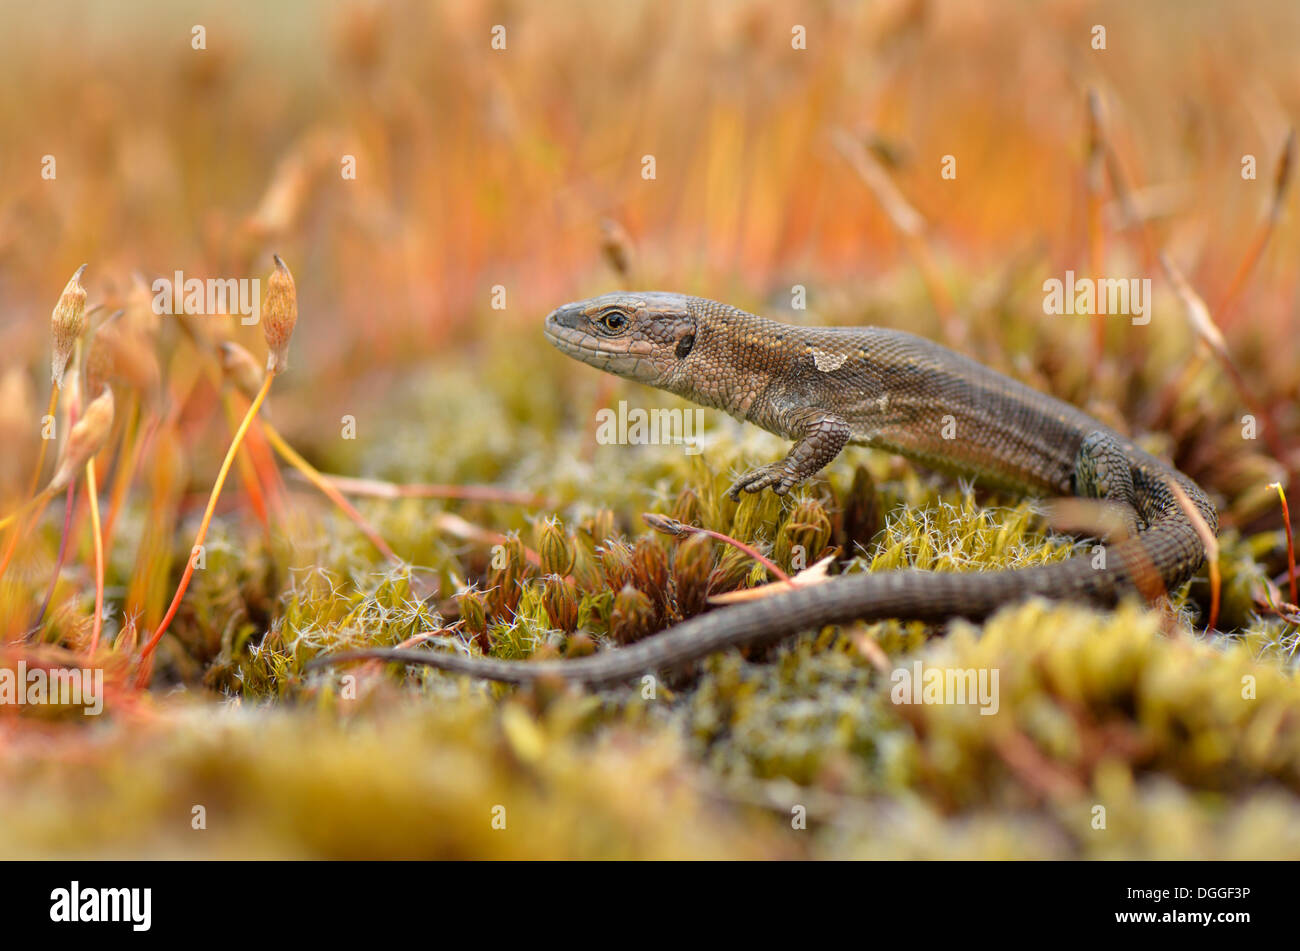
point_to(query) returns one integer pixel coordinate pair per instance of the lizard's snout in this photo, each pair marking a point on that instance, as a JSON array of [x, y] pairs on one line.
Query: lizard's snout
[[568, 317]]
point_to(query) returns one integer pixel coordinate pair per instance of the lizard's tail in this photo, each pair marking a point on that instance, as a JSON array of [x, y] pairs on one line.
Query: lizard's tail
[[1168, 549]]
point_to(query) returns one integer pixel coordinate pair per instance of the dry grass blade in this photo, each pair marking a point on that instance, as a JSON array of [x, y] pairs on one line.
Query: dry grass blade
[[1281, 182], [146, 664], [907, 221], [816, 573], [1119, 181], [1290, 541], [330, 492], [97, 539], [1211, 544], [379, 489], [1198, 315], [1095, 176]]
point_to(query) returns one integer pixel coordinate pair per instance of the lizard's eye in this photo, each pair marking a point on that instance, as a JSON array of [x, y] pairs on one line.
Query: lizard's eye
[[613, 320]]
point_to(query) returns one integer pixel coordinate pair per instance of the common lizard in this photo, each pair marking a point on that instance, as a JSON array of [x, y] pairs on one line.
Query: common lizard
[[827, 387]]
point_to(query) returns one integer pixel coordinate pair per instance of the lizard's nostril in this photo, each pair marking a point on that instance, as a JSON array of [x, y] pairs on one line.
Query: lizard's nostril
[[567, 317]]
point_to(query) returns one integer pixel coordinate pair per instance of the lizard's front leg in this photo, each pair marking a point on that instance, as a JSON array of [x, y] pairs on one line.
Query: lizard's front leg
[[820, 437]]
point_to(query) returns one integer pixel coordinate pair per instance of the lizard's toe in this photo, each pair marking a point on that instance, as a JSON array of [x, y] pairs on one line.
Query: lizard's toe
[[756, 480], [777, 476]]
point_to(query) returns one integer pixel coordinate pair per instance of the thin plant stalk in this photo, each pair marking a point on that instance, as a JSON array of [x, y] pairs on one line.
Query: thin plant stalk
[[16, 515], [68, 504], [1290, 542], [40, 453], [671, 526], [1095, 174], [334, 495], [146, 655], [36, 507], [92, 496], [379, 489], [248, 474], [129, 456]]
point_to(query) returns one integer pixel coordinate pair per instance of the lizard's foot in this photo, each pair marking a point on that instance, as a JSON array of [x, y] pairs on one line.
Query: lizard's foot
[[778, 475], [822, 437]]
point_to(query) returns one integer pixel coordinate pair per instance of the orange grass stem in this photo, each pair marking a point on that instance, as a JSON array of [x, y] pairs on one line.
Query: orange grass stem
[[1211, 544], [68, 504], [1290, 542], [40, 454], [36, 506], [92, 496], [247, 474], [146, 664], [36, 478], [334, 495], [124, 475], [671, 526], [1262, 234]]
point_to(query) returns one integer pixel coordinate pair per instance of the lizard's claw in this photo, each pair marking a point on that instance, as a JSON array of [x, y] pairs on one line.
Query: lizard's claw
[[777, 475]]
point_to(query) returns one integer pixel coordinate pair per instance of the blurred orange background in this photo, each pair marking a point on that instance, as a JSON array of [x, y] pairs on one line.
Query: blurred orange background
[[478, 167]]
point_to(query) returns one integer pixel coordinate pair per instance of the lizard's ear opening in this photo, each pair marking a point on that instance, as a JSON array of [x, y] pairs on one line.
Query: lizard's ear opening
[[684, 346]]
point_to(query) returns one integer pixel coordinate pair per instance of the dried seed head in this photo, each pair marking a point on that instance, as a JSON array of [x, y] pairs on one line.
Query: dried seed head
[[664, 523], [633, 616], [101, 354], [138, 303], [117, 352], [560, 599], [754, 514], [503, 596], [686, 508], [472, 611], [586, 569], [279, 315], [600, 526], [734, 567], [617, 247], [241, 369], [285, 197], [692, 565], [87, 438], [809, 529], [580, 645], [650, 563], [555, 548], [616, 562], [68, 324]]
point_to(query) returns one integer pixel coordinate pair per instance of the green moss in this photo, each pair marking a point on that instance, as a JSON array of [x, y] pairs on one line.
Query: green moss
[[1135, 711]]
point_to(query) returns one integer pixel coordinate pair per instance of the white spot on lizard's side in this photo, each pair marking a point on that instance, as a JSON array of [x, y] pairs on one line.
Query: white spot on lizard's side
[[826, 362], [883, 402]]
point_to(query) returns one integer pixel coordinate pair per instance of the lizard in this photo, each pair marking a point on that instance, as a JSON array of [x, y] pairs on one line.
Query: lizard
[[824, 388]]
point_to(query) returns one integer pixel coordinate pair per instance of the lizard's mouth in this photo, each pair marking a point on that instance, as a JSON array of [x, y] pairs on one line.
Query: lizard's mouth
[[626, 358]]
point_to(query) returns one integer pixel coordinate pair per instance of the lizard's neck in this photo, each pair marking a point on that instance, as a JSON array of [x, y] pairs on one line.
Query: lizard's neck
[[737, 357]]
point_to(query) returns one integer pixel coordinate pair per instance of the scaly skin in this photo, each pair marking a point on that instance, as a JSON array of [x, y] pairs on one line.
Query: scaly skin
[[825, 387]]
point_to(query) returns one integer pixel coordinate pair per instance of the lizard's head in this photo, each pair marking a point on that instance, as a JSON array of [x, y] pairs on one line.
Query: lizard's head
[[642, 336]]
